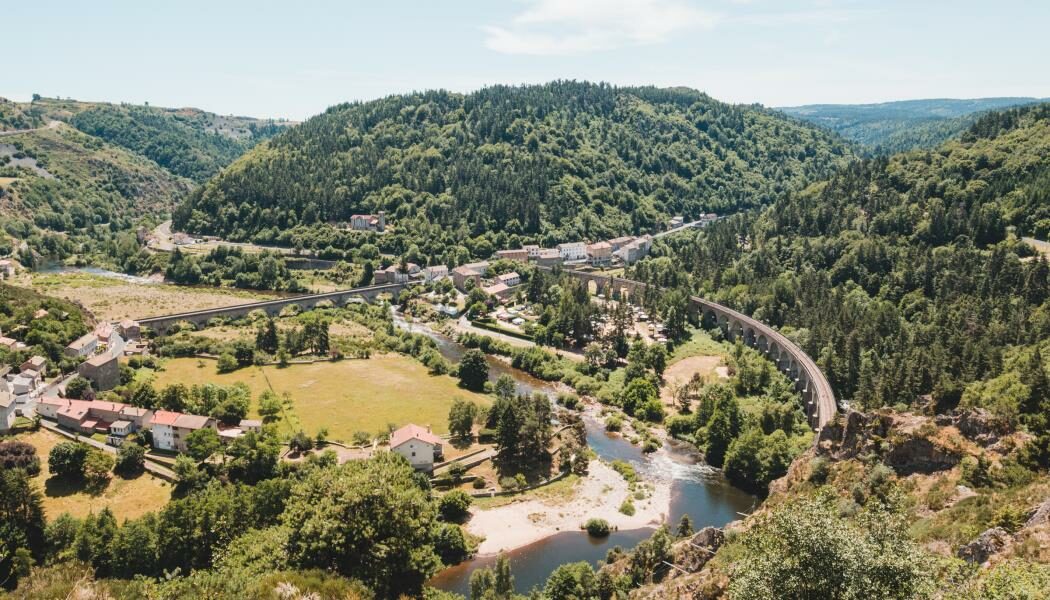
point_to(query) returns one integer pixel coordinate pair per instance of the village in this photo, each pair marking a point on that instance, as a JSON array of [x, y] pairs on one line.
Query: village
[[366, 392], [26, 393]]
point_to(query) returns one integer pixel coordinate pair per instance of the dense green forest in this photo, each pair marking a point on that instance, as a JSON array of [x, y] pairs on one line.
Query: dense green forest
[[901, 276], [91, 171], [892, 127], [43, 334], [489, 169]]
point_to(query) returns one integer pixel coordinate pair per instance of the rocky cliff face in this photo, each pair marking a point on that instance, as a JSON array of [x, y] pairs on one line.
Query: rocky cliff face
[[929, 457]]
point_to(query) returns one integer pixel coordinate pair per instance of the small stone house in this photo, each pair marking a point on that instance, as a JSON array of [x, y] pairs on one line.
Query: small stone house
[[103, 371], [510, 279], [170, 429], [36, 364], [131, 330]]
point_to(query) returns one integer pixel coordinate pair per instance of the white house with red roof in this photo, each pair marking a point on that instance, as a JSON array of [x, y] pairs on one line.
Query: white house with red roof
[[418, 445], [163, 427], [170, 429]]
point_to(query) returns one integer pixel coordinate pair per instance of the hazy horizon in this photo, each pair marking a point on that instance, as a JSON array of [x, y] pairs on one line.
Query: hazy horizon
[[269, 59]]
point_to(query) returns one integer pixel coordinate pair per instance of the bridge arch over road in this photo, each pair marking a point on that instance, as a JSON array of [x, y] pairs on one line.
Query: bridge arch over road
[[819, 399], [161, 324]]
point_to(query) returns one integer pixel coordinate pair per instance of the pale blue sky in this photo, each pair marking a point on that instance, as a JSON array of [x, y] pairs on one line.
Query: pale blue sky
[[294, 59]]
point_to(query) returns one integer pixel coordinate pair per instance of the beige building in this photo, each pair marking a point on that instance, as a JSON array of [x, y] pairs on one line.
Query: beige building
[[599, 254], [520, 254]]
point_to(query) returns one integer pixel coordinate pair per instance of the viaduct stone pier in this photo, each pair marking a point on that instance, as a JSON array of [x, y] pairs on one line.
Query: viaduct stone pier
[[199, 318], [820, 405]]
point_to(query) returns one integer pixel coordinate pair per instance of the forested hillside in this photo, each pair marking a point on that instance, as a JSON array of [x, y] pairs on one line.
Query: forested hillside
[[906, 278], [189, 142], [550, 163], [57, 184], [892, 127], [900, 275]]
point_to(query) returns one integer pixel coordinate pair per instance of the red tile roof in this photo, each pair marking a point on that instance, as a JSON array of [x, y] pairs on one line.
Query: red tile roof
[[165, 417], [410, 432]]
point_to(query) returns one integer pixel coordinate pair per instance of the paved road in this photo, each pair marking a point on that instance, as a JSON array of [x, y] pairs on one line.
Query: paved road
[[29, 408], [464, 324], [151, 467]]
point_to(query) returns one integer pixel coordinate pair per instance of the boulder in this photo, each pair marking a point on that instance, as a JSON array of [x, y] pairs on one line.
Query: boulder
[[919, 455], [851, 434], [694, 553], [986, 545], [980, 426]]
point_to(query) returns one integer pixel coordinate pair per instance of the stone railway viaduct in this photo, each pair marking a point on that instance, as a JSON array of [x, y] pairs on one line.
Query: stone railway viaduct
[[816, 392], [200, 318], [820, 404]]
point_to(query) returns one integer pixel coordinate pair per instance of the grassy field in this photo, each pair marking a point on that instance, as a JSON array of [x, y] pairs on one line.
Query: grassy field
[[344, 396], [114, 299], [699, 343], [560, 490], [127, 498]]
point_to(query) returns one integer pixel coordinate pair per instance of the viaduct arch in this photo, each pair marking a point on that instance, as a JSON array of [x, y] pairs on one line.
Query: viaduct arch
[[819, 399], [199, 318]]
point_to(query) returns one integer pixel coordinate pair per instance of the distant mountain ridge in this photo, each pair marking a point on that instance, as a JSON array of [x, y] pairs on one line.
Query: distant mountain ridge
[[888, 127]]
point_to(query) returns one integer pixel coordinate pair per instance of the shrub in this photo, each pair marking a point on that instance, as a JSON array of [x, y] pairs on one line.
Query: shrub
[[131, 459], [66, 460], [19, 455], [819, 469], [97, 467], [597, 527], [680, 425], [508, 483], [627, 507], [614, 423], [569, 400], [479, 483], [300, 443], [456, 470], [227, 363], [625, 469], [453, 506], [1010, 518], [450, 544]]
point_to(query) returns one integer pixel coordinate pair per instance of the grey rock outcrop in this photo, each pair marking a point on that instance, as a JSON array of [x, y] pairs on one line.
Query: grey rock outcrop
[[987, 544]]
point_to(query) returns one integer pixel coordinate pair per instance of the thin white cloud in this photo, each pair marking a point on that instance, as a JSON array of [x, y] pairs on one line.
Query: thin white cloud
[[560, 27]]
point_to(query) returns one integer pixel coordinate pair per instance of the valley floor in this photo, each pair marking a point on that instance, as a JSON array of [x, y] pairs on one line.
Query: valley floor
[[112, 299]]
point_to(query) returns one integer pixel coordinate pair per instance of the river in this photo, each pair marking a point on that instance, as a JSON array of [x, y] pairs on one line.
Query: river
[[696, 489], [59, 268]]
